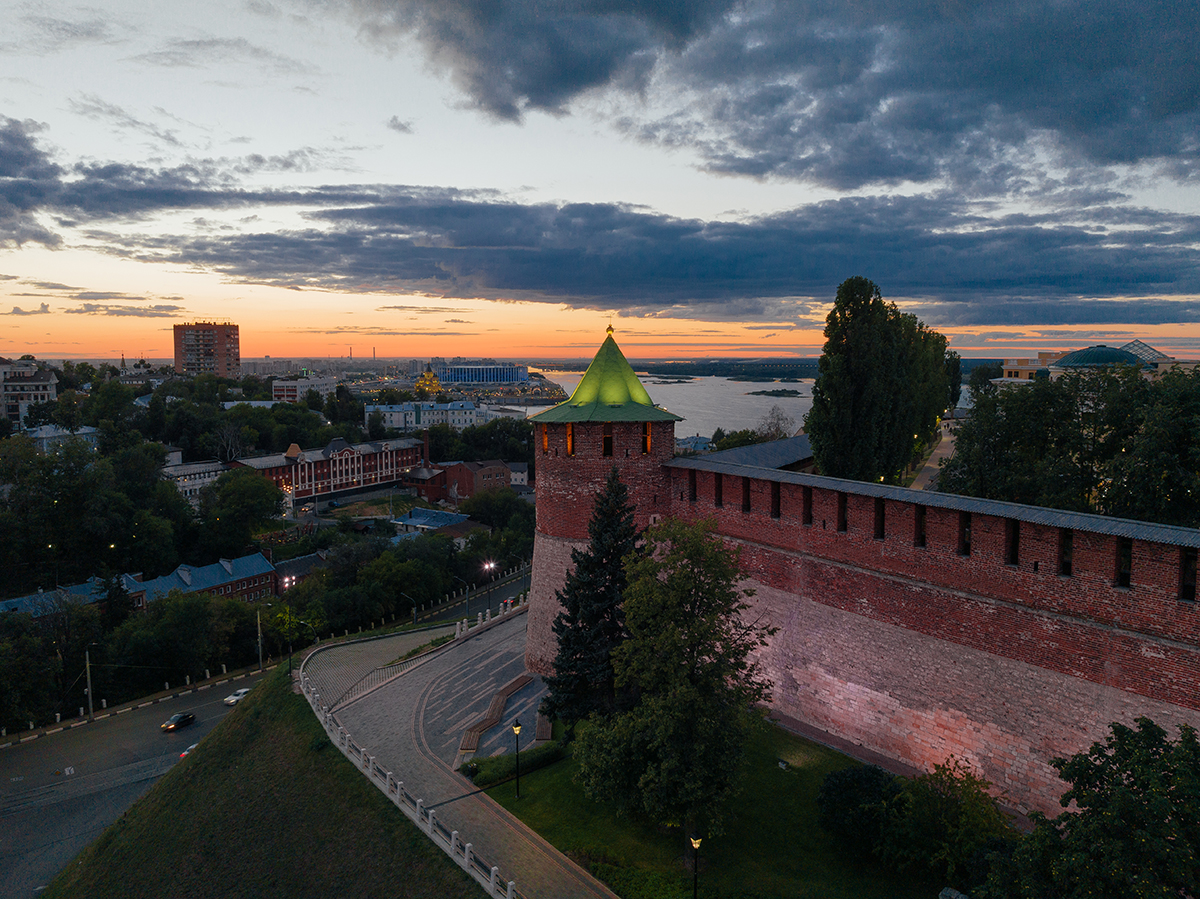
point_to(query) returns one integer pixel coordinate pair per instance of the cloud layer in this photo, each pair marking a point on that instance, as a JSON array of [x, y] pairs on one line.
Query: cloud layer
[[984, 95]]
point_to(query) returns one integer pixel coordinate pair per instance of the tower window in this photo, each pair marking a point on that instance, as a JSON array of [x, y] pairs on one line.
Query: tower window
[[918, 525], [843, 522], [774, 499], [570, 439], [608, 439], [545, 440], [645, 438], [718, 499], [806, 517], [964, 533], [692, 485], [880, 530], [745, 494]]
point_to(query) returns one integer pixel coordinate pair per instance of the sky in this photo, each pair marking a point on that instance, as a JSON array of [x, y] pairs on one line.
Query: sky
[[418, 178]]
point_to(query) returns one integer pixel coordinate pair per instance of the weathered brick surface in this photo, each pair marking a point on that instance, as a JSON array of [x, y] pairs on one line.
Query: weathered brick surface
[[919, 699], [918, 652]]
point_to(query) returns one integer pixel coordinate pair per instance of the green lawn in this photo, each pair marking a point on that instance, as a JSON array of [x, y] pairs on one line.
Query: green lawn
[[772, 846], [264, 807]]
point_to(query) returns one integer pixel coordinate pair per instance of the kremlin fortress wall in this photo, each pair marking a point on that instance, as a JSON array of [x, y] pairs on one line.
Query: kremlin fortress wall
[[919, 625]]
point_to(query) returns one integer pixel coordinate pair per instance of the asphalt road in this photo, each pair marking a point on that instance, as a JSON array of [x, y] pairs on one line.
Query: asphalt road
[[59, 792]]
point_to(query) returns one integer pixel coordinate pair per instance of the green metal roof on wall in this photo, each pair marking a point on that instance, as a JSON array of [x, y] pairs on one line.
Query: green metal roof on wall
[[609, 391]]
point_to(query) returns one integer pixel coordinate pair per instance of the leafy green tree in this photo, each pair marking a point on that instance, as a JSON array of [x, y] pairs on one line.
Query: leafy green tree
[[953, 377], [880, 387], [591, 624], [375, 427], [235, 505], [936, 822], [38, 414], [1135, 830], [674, 757], [29, 670], [979, 382]]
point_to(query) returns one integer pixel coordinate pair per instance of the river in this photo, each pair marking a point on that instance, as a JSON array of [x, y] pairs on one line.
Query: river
[[710, 403]]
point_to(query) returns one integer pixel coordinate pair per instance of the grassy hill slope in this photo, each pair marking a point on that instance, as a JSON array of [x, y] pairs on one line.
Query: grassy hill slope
[[265, 807]]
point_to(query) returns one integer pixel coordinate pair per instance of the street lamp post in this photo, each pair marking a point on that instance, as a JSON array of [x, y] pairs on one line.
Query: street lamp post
[[87, 662], [695, 840], [258, 618], [414, 605], [489, 568], [517, 744]]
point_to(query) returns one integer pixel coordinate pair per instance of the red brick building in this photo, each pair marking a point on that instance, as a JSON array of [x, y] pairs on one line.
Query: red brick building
[[465, 479], [340, 467], [920, 625]]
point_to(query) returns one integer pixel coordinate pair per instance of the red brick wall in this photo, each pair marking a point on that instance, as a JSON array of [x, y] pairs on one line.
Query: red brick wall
[[918, 652]]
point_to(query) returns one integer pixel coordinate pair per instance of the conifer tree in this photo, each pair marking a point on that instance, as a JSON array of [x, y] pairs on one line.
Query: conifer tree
[[592, 622]]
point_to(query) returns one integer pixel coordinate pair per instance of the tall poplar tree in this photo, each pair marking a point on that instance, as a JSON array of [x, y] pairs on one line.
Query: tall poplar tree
[[592, 622], [881, 385]]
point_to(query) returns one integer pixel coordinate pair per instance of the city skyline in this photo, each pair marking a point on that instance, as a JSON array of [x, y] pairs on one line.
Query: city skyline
[[416, 179]]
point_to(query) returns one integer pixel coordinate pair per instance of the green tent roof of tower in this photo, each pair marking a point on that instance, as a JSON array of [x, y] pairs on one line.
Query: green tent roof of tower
[[609, 391]]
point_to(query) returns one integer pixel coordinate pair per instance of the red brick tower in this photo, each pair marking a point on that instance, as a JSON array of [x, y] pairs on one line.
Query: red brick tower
[[609, 420]]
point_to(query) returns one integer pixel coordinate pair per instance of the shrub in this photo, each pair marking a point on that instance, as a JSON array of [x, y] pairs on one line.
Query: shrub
[[493, 770], [936, 822], [850, 806]]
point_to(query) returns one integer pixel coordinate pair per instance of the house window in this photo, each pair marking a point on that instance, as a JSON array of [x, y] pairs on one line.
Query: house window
[[1012, 542], [1124, 561], [774, 499], [608, 439], [964, 533], [692, 485], [880, 531], [843, 523], [745, 494], [718, 499], [918, 526], [806, 506], [1187, 574]]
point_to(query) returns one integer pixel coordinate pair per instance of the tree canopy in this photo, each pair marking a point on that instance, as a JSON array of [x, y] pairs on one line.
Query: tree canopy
[[1135, 831], [882, 383], [1107, 441], [591, 624], [674, 757]]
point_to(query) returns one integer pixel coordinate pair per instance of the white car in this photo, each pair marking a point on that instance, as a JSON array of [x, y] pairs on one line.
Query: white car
[[237, 696]]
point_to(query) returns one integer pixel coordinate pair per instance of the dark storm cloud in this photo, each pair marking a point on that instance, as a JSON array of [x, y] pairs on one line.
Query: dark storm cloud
[[989, 96], [903, 90], [956, 266], [956, 261], [508, 57]]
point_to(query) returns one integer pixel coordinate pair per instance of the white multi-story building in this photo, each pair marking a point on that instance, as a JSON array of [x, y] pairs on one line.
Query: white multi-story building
[[414, 416], [295, 391], [22, 383]]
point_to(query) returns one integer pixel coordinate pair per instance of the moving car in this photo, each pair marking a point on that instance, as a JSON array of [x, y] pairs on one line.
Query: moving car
[[189, 749], [236, 696], [182, 719]]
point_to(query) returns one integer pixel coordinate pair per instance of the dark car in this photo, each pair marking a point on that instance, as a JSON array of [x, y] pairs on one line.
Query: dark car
[[183, 719]]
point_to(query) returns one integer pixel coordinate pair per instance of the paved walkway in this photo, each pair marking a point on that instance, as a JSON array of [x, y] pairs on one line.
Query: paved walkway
[[927, 477], [413, 726]]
